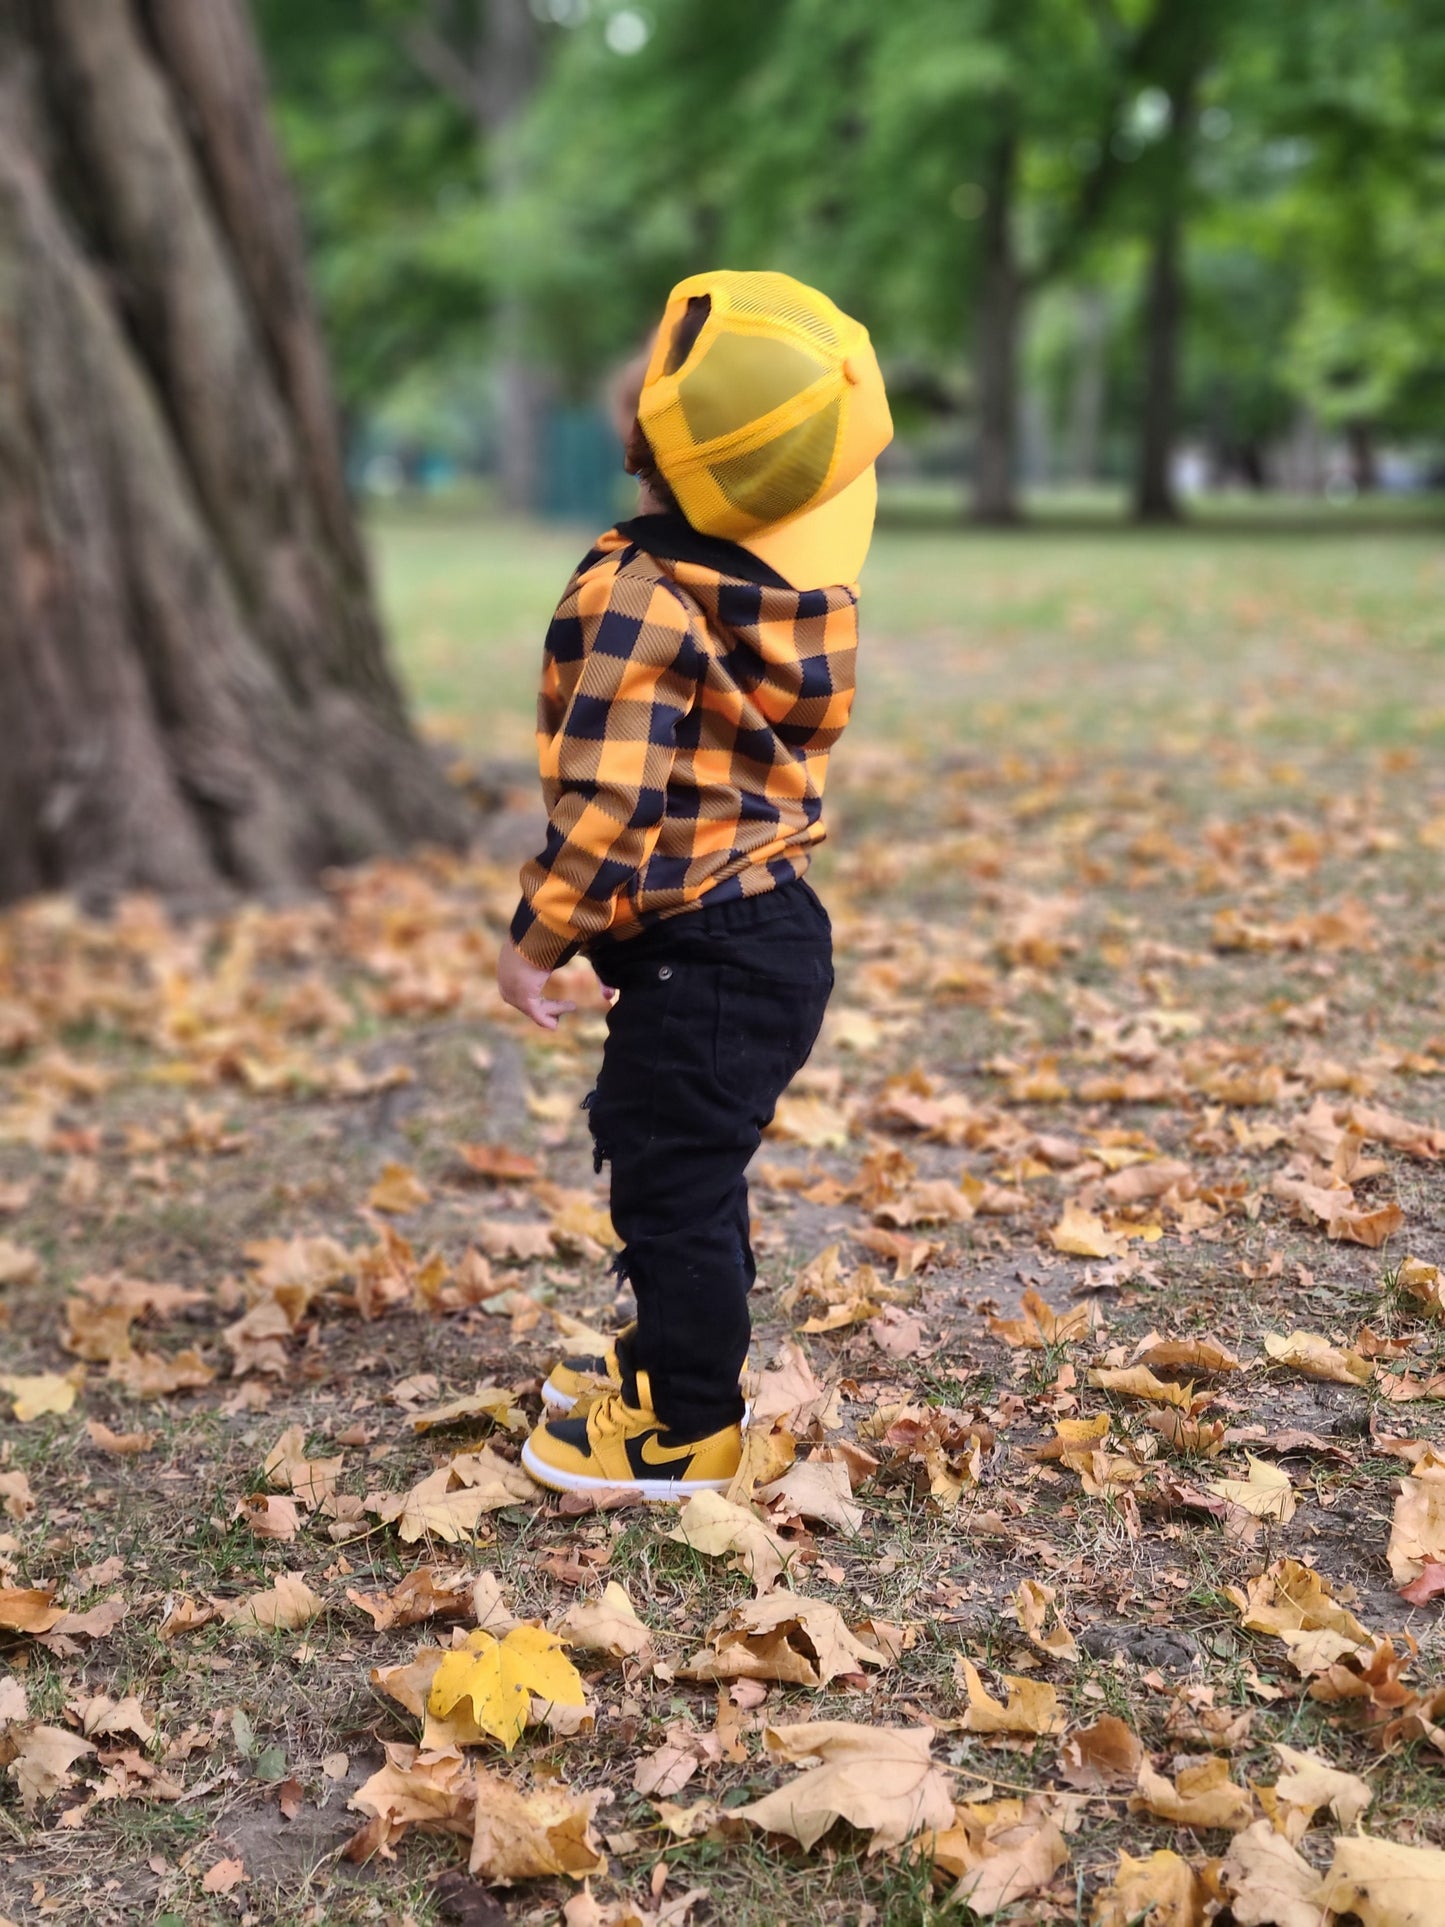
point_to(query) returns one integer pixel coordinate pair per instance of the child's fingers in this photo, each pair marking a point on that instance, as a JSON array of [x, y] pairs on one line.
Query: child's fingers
[[545, 1011]]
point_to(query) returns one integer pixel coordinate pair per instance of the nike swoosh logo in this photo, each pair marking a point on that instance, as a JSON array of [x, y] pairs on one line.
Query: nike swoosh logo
[[654, 1453]]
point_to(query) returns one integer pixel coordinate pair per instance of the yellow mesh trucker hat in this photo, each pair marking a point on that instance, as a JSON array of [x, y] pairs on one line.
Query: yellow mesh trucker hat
[[768, 430]]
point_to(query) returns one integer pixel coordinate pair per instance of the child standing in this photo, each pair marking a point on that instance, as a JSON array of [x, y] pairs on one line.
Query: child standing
[[696, 676]]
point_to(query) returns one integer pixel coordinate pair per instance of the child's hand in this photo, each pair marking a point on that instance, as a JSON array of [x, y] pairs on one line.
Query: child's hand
[[522, 984]]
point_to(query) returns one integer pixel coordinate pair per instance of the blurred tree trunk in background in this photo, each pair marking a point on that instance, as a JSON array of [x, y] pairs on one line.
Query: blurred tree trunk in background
[[192, 676], [1088, 388], [487, 55], [995, 365]]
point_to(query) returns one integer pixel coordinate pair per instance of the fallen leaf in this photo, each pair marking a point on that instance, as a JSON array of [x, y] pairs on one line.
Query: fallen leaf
[[494, 1402], [18, 1264], [1386, 1884], [437, 1790], [1308, 1782], [1428, 1586], [1137, 1381], [1295, 1605], [1198, 1796], [880, 1778], [123, 1445], [1160, 1891], [42, 1761], [1269, 1883], [1033, 1605], [1080, 1234], [28, 1609], [270, 1515], [527, 1836], [820, 1490], [1033, 1705], [1041, 1326], [423, 1594], [1417, 1528], [607, 1625], [498, 1677], [997, 1851], [223, 1877], [1265, 1494], [287, 1605], [1106, 1754], [713, 1525], [782, 1636], [1185, 1354], [1317, 1358], [398, 1191], [38, 1394], [1423, 1283]]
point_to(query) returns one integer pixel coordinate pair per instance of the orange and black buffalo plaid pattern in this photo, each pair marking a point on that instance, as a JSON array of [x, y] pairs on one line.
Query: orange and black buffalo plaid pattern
[[684, 725]]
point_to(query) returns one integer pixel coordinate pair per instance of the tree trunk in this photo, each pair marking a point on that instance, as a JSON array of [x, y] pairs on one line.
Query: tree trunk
[[192, 676], [1364, 466], [1000, 306], [1087, 390], [1154, 497]]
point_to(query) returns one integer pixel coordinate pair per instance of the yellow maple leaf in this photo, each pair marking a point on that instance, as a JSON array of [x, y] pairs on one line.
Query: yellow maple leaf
[[39, 1393], [499, 1678]]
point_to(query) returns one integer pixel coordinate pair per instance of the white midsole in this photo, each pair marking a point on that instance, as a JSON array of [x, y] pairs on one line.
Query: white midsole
[[558, 1401], [661, 1489]]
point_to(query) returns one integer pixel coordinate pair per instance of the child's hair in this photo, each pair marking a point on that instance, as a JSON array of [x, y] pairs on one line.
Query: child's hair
[[637, 456]]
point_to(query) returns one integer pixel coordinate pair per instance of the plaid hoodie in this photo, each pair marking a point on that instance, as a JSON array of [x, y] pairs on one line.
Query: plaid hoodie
[[690, 697]]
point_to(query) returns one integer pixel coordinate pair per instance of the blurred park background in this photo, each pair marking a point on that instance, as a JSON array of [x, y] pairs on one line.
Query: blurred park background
[[320, 300]]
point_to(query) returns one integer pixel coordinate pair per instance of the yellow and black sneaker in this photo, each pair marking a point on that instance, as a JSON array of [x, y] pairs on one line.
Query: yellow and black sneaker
[[615, 1446], [573, 1378]]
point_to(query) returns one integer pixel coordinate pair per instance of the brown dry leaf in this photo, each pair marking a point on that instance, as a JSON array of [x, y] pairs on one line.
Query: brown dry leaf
[[223, 1877], [1033, 1705], [17, 1501], [28, 1609], [820, 1490], [1106, 1754], [1308, 1782], [123, 1445], [1317, 1358], [1033, 1605], [42, 1761], [1295, 1604], [432, 1790], [1417, 1528], [607, 1625], [1160, 1891], [769, 1448], [1137, 1381], [40, 1393], [423, 1594], [1205, 1355], [811, 1121], [1080, 1234], [288, 1605], [1386, 1884], [880, 1778], [103, 1715], [498, 1480], [1265, 1494], [669, 1767], [998, 1851], [528, 1836], [1198, 1796], [713, 1525], [313, 1481], [499, 1164], [152, 1375], [1422, 1282], [1041, 1326], [398, 1191], [18, 1264], [1269, 1883], [501, 1238], [494, 1402], [792, 1392], [783, 1636], [270, 1515]]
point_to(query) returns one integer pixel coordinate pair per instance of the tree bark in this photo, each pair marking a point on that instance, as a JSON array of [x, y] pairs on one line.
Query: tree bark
[[1090, 379], [1000, 305], [1154, 496], [192, 674]]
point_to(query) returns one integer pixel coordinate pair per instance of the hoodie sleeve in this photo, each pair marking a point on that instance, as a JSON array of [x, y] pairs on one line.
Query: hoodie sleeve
[[621, 671]]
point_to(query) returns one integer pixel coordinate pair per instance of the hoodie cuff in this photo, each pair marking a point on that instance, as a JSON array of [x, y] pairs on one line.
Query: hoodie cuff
[[542, 946]]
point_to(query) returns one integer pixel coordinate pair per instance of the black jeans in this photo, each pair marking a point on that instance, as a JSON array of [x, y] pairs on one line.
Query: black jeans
[[717, 1012]]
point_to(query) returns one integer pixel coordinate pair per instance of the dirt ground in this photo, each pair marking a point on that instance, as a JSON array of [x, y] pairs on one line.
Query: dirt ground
[[1118, 1049]]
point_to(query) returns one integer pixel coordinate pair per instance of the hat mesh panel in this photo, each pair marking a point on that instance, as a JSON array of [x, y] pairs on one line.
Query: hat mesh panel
[[777, 480], [740, 379]]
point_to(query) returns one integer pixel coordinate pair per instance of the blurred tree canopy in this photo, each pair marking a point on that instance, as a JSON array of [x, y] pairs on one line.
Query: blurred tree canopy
[[1151, 216]]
